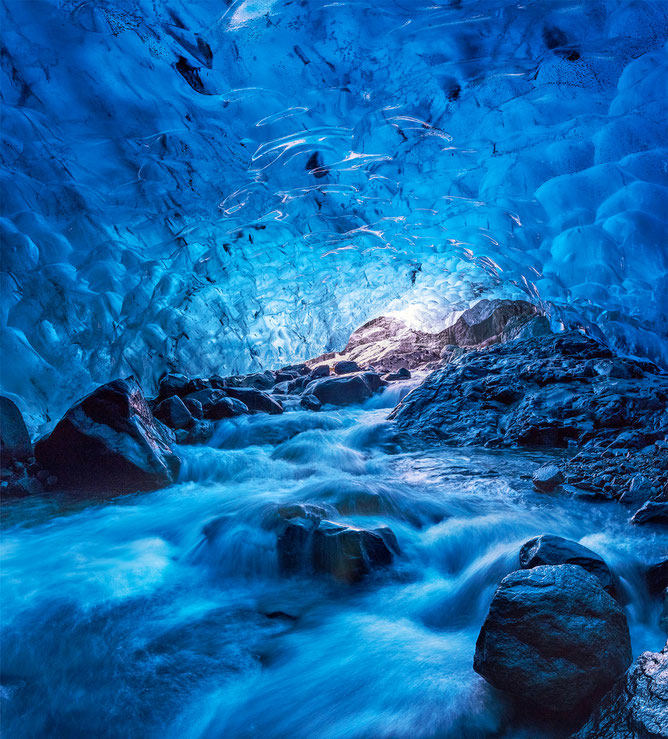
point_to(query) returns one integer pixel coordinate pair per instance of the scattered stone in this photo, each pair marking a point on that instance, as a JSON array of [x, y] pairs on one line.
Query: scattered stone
[[346, 367], [400, 374], [554, 550], [216, 404], [109, 442], [310, 403], [547, 478], [173, 413], [14, 438], [255, 400], [553, 636], [637, 706], [172, 385], [322, 370], [259, 380]]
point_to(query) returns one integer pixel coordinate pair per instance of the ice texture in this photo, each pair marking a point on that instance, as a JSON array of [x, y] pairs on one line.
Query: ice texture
[[209, 186]]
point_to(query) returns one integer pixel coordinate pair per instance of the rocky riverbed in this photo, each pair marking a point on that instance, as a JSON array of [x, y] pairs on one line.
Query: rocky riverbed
[[501, 490]]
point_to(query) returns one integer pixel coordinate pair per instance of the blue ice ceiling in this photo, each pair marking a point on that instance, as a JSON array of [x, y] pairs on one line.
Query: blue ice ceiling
[[214, 187]]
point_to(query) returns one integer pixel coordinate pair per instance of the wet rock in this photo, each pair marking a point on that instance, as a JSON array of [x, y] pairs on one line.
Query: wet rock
[[255, 400], [14, 438], [349, 553], [657, 576], [216, 404], [547, 478], [259, 380], [554, 550], [553, 636], [172, 384], [310, 403], [322, 370], [400, 374], [653, 512], [194, 408], [109, 442], [340, 390], [309, 543], [346, 367], [199, 432], [637, 706], [173, 413]]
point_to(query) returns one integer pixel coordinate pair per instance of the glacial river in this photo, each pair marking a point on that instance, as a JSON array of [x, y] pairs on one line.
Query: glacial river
[[121, 619]]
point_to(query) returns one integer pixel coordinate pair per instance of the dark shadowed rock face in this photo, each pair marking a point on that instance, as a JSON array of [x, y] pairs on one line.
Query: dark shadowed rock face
[[14, 438], [553, 636], [637, 706], [554, 550], [546, 391], [652, 512], [485, 322], [109, 442]]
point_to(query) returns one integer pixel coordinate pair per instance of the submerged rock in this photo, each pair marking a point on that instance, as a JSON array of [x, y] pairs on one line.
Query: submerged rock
[[553, 636], [554, 550], [547, 478], [109, 442], [400, 374], [307, 542], [637, 706], [310, 403], [14, 438]]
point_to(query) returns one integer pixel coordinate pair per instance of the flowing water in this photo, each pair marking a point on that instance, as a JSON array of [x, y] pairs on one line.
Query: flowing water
[[120, 618]]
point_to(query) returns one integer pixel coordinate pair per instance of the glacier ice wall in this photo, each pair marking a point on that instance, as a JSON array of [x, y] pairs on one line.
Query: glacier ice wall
[[211, 186]]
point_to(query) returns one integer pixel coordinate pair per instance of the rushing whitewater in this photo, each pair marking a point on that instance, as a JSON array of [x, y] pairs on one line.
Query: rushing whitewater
[[128, 618]]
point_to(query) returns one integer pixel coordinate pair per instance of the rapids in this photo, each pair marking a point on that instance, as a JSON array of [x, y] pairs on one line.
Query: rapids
[[121, 618]]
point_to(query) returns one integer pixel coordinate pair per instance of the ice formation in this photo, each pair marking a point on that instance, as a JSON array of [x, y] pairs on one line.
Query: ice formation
[[211, 187]]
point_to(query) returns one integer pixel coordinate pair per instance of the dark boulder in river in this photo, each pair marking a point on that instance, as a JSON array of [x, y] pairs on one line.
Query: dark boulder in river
[[216, 404], [637, 706], [554, 637], [309, 543], [109, 442], [345, 390], [345, 367], [554, 550], [256, 400], [173, 413]]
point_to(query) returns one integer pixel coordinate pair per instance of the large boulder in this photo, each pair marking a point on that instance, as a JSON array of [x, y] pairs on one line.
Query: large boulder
[[547, 478], [554, 550], [307, 543], [216, 404], [343, 390], [637, 706], [109, 442], [255, 400], [554, 637], [14, 438], [173, 413], [346, 367]]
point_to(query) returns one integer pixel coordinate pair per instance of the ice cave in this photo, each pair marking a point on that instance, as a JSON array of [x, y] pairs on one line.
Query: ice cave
[[334, 369]]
